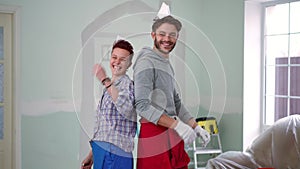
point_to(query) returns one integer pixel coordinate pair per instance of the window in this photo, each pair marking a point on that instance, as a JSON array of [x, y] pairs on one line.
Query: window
[[281, 37]]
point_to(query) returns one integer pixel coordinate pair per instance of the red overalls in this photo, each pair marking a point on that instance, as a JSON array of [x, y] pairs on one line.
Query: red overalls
[[160, 148]]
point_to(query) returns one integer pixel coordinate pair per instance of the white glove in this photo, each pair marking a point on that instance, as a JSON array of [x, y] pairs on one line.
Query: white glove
[[185, 132], [203, 134]]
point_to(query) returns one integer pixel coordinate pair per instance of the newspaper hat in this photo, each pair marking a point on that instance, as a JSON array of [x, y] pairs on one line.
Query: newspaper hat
[[163, 11], [118, 38]]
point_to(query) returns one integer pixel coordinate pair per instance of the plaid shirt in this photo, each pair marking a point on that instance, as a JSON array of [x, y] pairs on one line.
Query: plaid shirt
[[116, 121]]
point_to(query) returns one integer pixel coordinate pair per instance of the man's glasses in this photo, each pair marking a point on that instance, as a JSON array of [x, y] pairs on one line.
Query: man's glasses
[[164, 34]]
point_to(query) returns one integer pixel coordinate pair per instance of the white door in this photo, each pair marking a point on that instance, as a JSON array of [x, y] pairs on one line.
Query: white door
[[6, 91]]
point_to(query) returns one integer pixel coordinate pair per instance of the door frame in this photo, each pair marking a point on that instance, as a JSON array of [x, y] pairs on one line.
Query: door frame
[[16, 83]]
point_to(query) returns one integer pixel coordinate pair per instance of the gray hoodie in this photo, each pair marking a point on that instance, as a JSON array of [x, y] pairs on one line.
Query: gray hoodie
[[155, 88]]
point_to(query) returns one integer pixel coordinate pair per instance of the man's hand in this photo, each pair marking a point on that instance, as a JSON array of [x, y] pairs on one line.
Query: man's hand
[[203, 134], [185, 132]]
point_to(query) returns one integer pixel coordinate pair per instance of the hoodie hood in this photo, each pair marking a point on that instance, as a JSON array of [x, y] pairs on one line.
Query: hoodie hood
[[150, 54]]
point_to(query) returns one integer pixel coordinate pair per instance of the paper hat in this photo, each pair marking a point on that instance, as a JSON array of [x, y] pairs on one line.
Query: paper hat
[[118, 38], [163, 11]]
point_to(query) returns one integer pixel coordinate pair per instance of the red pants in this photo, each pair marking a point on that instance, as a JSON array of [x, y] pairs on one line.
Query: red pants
[[160, 148]]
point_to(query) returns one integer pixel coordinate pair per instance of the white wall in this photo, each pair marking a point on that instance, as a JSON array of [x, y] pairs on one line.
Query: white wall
[[252, 73]]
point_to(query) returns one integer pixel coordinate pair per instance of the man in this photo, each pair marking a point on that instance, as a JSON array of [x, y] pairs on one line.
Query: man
[[113, 140], [165, 123]]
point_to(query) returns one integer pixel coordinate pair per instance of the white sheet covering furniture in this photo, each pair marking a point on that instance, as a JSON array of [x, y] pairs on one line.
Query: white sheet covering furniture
[[278, 147]]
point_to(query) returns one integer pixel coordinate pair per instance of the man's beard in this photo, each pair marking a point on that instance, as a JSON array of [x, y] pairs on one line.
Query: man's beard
[[157, 45]]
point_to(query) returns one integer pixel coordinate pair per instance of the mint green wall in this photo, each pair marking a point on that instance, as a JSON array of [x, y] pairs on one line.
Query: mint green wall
[[51, 42], [50, 141], [223, 23]]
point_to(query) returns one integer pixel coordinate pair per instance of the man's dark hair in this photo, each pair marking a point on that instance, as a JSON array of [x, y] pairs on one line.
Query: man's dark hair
[[123, 44], [168, 19]]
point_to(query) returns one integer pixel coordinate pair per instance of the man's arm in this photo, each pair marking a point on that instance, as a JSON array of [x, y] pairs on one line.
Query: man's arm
[[183, 130], [182, 112], [167, 121], [170, 122]]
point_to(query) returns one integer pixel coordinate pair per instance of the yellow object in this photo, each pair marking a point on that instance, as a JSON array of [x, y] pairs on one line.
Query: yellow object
[[209, 124], [213, 148]]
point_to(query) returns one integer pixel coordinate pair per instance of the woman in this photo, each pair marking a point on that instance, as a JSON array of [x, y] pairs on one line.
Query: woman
[[115, 129]]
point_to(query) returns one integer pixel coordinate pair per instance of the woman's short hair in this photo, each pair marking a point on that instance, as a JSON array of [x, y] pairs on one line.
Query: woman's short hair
[[123, 44]]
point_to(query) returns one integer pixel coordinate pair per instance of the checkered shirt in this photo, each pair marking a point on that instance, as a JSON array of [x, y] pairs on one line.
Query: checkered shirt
[[116, 122]]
